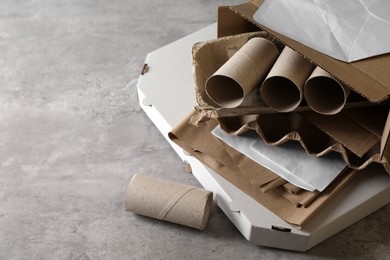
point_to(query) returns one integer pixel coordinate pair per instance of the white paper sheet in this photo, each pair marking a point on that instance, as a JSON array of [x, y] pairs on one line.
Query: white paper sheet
[[347, 30], [289, 160]]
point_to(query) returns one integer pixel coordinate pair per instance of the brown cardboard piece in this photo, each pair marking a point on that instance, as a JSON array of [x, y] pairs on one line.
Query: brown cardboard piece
[[283, 87], [239, 76], [301, 199], [369, 77], [273, 184], [317, 140], [320, 135], [169, 201], [291, 188], [372, 119], [344, 130], [355, 139], [200, 143], [324, 94]]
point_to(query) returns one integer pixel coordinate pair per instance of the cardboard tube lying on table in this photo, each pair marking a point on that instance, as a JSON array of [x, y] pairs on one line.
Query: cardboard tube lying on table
[[282, 90], [239, 76], [169, 201], [324, 94]]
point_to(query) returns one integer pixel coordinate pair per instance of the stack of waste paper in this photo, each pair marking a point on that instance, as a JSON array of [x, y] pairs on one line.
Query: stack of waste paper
[[281, 121], [290, 111]]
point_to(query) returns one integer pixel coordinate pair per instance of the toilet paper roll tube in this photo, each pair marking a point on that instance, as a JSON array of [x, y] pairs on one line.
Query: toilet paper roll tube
[[239, 76], [169, 201], [282, 89], [324, 94]]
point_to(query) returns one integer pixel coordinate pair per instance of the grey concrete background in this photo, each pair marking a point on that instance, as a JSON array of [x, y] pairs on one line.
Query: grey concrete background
[[72, 135]]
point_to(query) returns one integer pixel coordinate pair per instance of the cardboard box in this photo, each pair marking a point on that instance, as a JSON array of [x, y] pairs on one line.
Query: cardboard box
[[366, 193], [360, 134], [368, 77]]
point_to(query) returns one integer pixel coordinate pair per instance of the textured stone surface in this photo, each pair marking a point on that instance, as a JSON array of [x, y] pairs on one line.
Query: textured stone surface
[[72, 135]]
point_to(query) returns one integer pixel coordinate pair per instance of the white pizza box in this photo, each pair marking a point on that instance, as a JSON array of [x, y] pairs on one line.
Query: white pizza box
[[166, 94]]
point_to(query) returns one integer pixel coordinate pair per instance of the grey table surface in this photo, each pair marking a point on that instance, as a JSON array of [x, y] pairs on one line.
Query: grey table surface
[[72, 135]]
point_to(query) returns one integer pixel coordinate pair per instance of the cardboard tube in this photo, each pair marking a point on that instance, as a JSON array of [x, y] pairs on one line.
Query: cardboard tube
[[239, 76], [169, 201], [282, 90], [324, 94]]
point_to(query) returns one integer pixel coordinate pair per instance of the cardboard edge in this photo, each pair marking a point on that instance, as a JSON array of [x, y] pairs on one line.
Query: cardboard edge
[[233, 23], [385, 144]]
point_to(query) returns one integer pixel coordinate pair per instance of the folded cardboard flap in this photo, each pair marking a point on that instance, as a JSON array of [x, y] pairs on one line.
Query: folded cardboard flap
[[300, 199], [372, 119], [368, 77]]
